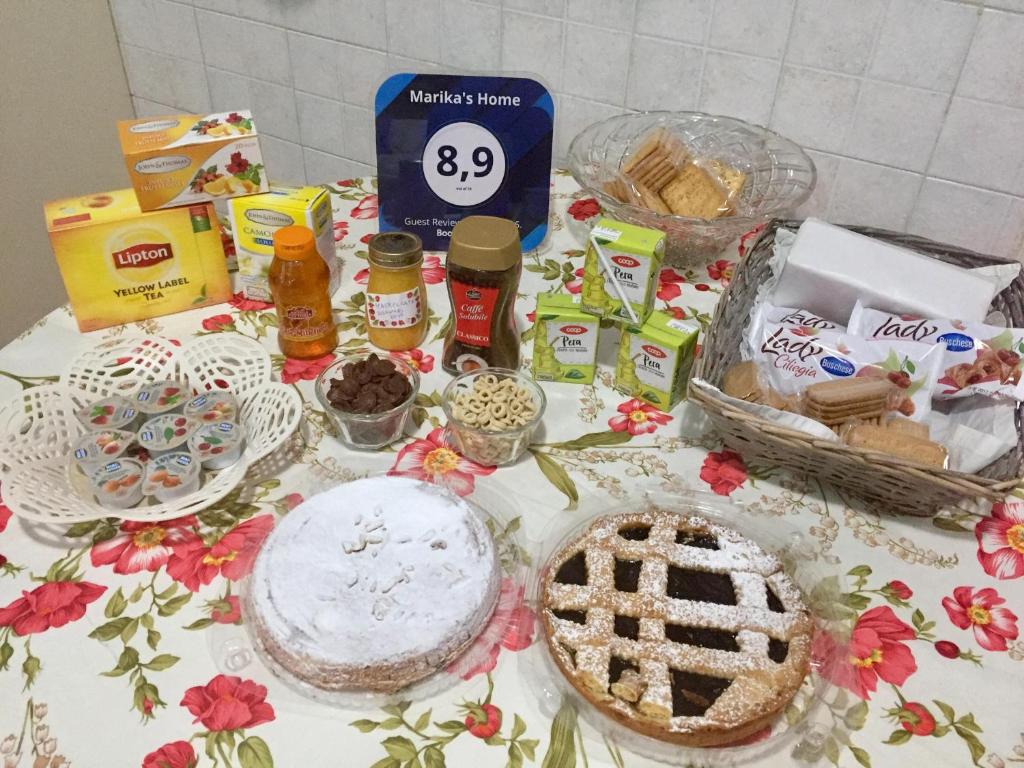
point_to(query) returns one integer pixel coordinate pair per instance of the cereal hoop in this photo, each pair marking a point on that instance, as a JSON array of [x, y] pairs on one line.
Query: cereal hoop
[[39, 425]]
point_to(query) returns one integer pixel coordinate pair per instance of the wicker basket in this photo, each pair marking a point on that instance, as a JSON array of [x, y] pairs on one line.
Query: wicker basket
[[885, 482]]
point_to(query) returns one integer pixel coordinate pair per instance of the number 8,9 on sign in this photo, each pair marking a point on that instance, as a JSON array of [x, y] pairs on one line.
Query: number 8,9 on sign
[[464, 164]]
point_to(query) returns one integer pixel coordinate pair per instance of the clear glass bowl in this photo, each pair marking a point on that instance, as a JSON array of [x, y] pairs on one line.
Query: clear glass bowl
[[780, 175], [367, 431], [484, 446]]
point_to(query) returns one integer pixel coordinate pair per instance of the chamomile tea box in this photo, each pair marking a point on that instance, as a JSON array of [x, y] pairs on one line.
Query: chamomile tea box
[[564, 340], [255, 219], [654, 361], [634, 255]]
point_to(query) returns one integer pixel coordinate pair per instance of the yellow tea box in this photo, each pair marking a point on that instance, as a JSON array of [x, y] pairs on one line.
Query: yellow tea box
[[654, 360], [120, 264], [185, 159], [255, 219], [634, 256], [564, 340]]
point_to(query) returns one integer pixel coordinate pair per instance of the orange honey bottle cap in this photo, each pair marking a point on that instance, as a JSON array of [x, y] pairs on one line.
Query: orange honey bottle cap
[[294, 242]]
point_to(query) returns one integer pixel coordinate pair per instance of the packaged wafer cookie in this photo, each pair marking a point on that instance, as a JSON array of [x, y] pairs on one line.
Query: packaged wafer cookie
[[979, 359], [794, 358]]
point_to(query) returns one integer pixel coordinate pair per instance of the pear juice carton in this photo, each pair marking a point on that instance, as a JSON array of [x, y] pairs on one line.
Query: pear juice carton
[[185, 159], [120, 264], [635, 255], [654, 361], [564, 340]]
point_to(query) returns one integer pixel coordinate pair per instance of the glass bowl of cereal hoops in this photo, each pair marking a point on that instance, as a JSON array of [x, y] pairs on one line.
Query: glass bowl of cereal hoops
[[492, 414]]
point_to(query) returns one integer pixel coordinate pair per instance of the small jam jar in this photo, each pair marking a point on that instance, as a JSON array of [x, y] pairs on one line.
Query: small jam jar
[[160, 397], [118, 484], [114, 412], [171, 476], [213, 406], [218, 445], [396, 297], [166, 433]]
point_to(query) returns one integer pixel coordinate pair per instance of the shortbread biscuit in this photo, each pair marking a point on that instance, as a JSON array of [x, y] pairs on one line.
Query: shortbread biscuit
[[897, 443], [742, 381], [906, 426]]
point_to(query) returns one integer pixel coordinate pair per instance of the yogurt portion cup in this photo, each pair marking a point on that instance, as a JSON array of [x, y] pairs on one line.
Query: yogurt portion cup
[[218, 445], [166, 433], [114, 412], [160, 397], [94, 448], [171, 476], [213, 406], [117, 484]]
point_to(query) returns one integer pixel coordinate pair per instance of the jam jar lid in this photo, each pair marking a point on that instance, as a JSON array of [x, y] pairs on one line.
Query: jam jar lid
[[394, 250]]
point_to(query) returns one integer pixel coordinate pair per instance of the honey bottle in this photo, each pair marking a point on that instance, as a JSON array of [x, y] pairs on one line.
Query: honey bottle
[[299, 285], [483, 268]]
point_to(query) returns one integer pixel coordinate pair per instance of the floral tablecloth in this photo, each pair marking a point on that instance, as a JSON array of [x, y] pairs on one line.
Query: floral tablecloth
[[104, 627]]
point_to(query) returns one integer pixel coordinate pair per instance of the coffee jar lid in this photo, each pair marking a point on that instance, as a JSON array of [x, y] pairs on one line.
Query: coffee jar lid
[[395, 249], [486, 243]]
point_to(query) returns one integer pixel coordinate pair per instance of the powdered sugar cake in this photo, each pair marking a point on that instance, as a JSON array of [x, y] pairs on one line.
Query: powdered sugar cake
[[676, 627], [373, 585]]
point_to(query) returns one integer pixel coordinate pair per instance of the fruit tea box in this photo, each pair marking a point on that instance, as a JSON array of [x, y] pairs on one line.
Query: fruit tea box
[[256, 218], [185, 159], [120, 264], [564, 340], [635, 255], [654, 360]]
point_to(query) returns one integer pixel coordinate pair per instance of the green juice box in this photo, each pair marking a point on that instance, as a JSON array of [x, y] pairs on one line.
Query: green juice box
[[564, 340], [654, 360], [635, 254]]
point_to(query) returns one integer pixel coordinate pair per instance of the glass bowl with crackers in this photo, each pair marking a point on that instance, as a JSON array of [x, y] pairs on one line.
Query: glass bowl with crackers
[[702, 179], [493, 414]]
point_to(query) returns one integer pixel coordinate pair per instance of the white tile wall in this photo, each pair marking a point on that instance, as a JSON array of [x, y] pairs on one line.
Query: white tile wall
[[913, 110]]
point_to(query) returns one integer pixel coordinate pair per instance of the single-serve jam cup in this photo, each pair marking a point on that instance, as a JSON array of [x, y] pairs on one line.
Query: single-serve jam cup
[[118, 484], [218, 445], [160, 397], [213, 406], [492, 414], [94, 448], [114, 412], [171, 476], [163, 434]]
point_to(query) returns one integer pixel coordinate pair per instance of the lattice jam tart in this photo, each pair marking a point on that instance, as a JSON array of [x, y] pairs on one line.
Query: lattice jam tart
[[676, 627]]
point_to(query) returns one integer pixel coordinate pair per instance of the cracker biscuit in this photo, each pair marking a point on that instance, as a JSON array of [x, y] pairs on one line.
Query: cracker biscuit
[[650, 199], [694, 193], [617, 189], [656, 161], [731, 178]]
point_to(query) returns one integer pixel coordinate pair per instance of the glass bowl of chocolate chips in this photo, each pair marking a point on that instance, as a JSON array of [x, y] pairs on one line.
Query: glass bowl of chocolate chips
[[368, 399]]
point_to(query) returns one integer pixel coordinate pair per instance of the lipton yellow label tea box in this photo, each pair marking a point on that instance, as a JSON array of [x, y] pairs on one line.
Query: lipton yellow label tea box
[[121, 264], [186, 159]]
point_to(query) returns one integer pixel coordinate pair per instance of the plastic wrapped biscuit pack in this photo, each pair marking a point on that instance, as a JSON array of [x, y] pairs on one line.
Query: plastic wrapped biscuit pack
[[662, 174]]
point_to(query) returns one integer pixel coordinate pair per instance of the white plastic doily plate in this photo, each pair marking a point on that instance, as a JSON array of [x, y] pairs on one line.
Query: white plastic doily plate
[[39, 426]]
